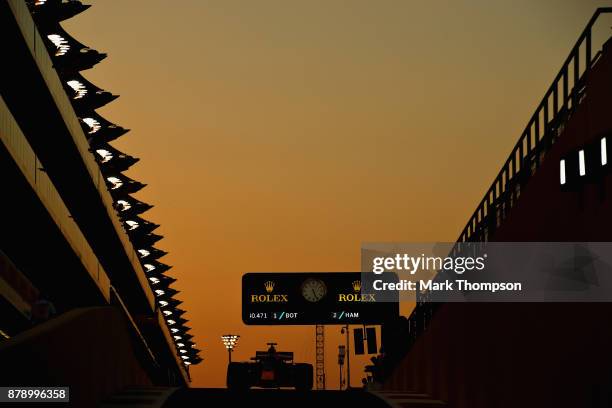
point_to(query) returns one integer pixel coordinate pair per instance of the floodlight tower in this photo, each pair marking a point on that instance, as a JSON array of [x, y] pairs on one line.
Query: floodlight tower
[[229, 341]]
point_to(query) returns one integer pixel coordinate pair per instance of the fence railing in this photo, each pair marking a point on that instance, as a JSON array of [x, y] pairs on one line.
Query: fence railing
[[543, 128]]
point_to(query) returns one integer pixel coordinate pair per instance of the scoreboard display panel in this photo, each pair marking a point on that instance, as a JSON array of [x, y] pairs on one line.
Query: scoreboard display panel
[[314, 298]]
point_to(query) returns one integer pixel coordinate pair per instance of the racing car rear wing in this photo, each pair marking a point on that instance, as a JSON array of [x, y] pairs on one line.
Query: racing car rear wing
[[281, 355]]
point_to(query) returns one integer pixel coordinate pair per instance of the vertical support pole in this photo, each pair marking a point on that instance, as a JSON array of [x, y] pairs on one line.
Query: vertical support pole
[[320, 357], [536, 128], [588, 50], [565, 88], [348, 359], [556, 98], [529, 143], [576, 67], [546, 118], [576, 78]]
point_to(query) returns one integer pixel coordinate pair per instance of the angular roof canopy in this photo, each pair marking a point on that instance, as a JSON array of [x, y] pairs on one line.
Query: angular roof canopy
[[52, 11]]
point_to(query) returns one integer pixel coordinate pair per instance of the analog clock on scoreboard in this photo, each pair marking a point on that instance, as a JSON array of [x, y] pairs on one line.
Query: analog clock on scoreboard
[[308, 298]]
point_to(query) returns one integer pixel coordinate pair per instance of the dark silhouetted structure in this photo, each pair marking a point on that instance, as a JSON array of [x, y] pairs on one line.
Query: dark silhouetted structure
[[525, 354], [71, 228]]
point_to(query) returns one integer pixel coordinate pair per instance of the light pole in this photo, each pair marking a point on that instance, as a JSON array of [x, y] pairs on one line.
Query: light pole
[[345, 329], [341, 354], [229, 341]]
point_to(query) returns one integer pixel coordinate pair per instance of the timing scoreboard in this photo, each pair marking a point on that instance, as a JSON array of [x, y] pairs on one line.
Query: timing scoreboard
[[314, 298]]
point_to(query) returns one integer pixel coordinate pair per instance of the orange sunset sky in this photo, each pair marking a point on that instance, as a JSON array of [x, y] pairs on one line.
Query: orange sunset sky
[[279, 135]]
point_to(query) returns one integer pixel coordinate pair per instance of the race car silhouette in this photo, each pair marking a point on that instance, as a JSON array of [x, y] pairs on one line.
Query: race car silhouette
[[269, 369]]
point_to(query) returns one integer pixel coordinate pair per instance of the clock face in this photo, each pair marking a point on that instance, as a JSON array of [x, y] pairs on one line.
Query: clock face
[[313, 290]]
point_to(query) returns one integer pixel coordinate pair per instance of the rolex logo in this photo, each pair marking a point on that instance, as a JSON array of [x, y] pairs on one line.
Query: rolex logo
[[269, 298], [356, 296], [269, 286]]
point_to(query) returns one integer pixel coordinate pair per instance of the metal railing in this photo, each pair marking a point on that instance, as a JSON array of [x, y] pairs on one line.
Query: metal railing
[[544, 127]]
